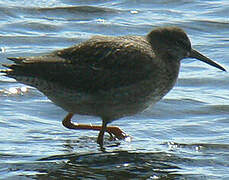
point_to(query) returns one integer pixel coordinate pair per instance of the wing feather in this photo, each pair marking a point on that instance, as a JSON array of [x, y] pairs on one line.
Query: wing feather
[[100, 63]]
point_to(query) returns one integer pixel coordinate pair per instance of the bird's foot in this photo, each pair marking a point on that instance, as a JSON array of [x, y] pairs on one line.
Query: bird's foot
[[116, 133]]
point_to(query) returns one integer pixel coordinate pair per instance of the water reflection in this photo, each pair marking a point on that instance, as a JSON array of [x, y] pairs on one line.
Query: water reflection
[[110, 165]]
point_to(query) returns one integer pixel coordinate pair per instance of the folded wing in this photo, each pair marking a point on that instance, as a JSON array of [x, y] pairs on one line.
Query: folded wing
[[97, 64]]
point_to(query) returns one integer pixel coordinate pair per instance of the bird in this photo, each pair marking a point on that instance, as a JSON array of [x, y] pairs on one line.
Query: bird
[[108, 76]]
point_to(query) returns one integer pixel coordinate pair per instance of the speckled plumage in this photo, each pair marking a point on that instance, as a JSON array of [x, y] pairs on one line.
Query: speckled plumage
[[109, 77]]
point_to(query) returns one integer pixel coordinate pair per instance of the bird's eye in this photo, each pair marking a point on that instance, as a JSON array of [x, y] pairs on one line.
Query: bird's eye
[[185, 45], [188, 54]]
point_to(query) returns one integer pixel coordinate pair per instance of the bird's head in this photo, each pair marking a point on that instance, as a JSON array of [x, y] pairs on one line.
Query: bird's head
[[173, 43]]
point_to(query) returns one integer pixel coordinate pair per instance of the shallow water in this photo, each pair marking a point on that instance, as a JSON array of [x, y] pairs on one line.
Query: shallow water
[[185, 136]]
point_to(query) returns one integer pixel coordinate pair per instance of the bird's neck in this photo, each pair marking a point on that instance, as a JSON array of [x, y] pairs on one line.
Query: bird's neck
[[170, 68]]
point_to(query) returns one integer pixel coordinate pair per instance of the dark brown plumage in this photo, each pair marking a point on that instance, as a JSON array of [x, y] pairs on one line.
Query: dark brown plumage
[[109, 77]]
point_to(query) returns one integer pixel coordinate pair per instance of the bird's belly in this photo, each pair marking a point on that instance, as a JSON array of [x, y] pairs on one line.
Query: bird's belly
[[111, 104]]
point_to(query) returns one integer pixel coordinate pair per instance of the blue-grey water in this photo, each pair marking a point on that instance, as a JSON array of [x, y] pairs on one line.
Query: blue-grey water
[[184, 136]]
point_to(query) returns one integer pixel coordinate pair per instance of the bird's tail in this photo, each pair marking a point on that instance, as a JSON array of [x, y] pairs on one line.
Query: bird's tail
[[13, 69]]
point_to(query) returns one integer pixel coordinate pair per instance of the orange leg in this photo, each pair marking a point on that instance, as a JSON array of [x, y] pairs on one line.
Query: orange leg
[[113, 130]]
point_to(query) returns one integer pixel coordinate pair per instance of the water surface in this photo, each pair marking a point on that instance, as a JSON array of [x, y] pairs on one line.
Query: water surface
[[185, 136]]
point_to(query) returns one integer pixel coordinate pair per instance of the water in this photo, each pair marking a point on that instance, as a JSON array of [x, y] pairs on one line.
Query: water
[[185, 136]]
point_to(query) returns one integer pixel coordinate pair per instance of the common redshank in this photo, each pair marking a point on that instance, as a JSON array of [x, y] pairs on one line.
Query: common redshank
[[108, 77]]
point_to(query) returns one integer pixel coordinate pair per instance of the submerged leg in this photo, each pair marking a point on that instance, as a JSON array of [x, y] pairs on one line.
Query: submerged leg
[[101, 133]]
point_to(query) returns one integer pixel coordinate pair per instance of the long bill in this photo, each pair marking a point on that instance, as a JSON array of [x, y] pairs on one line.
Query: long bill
[[197, 55]]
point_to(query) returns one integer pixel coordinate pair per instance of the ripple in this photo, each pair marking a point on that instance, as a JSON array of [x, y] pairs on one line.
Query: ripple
[[192, 120], [120, 164]]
